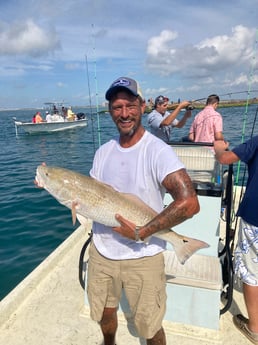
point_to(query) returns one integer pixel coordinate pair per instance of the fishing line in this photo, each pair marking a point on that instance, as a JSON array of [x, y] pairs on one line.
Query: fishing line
[[247, 104], [225, 94], [230, 213], [243, 137], [96, 86], [91, 112]]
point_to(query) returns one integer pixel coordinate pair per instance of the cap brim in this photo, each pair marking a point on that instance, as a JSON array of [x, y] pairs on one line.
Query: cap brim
[[115, 89]]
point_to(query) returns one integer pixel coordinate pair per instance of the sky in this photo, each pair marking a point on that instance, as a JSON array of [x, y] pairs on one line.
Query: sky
[[71, 51]]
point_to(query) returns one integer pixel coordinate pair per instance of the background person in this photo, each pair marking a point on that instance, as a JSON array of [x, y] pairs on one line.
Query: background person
[[161, 121], [48, 117], [38, 118], [207, 125], [71, 116], [118, 259], [246, 252]]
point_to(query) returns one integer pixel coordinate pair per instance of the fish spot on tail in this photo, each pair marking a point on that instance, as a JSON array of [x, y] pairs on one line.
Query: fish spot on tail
[[187, 248]]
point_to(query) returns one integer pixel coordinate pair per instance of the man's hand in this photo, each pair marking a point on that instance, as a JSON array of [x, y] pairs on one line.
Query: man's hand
[[184, 104], [220, 145], [127, 228]]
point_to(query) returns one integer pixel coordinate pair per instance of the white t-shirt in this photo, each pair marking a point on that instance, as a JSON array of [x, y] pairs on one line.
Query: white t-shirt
[[138, 170], [49, 118]]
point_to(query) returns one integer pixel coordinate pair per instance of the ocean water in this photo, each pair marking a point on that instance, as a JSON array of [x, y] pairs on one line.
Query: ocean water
[[32, 223]]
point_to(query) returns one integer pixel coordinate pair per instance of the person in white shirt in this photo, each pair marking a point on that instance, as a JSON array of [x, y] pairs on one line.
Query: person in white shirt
[[48, 117], [139, 163]]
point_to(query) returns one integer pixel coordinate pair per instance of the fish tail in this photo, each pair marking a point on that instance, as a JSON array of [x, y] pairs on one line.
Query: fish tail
[[185, 247]]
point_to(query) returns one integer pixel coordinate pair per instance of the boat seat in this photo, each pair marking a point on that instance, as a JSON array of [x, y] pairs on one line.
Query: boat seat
[[199, 161], [199, 158], [200, 271]]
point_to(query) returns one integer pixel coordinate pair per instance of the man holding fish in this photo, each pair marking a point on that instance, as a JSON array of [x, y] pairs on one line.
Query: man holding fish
[[140, 164], [124, 198]]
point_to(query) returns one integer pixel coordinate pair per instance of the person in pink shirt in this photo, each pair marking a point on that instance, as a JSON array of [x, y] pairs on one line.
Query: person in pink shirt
[[207, 125]]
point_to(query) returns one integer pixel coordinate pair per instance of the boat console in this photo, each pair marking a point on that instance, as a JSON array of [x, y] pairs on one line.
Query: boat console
[[194, 289]]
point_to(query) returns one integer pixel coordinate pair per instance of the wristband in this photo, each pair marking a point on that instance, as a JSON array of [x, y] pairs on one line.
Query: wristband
[[137, 234]]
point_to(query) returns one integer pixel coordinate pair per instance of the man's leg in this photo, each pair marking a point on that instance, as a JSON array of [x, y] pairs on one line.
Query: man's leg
[[108, 325], [158, 339], [251, 301]]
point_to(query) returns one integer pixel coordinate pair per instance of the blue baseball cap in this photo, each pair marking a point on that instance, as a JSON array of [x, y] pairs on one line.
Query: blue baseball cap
[[124, 83]]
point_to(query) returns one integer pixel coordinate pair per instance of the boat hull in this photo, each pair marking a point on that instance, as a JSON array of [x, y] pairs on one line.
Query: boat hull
[[47, 127]]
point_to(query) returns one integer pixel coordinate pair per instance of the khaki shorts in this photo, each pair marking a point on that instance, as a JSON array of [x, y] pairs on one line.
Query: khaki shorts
[[144, 284]]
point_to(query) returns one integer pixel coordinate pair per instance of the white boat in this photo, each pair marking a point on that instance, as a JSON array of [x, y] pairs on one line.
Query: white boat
[[50, 305], [58, 121], [46, 127]]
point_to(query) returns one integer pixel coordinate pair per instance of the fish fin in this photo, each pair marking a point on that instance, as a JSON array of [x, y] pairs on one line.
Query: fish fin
[[185, 247], [74, 212]]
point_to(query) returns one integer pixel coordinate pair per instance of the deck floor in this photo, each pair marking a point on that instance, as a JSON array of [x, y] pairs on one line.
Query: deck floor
[[48, 308]]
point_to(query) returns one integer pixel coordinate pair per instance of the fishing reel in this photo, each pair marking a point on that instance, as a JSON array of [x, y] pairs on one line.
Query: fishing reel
[[190, 107]]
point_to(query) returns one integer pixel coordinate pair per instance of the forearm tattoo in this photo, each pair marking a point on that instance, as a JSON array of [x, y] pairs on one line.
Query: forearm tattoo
[[184, 205]]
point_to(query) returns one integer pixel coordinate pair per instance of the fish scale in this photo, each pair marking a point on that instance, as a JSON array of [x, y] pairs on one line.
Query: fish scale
[[100, 202]]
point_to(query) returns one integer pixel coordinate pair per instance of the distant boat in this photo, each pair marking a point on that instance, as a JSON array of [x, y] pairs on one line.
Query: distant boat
[[45, 127], [58, 120]]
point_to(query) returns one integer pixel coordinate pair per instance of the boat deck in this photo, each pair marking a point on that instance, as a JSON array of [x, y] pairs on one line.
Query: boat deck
[[48, 307]]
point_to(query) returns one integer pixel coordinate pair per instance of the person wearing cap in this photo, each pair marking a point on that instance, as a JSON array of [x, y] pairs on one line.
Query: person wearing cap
[[119, 258], [207, 125], [48, 117], [161, 121]]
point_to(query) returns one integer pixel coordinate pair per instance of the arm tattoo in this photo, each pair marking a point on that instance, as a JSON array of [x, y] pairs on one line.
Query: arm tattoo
[[184, 205]]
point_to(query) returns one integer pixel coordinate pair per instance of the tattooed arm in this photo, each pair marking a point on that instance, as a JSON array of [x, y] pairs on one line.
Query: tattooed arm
[[184, 205]]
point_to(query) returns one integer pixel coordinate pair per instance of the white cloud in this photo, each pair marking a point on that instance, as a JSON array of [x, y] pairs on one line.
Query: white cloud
[[27, 38], [72, 66], [211, 54], [243, 80], [237, 48], [159, 45], [178, 48], [60, 84]]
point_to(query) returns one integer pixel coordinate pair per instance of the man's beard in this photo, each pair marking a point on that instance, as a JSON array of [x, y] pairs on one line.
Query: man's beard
[[128, 134]]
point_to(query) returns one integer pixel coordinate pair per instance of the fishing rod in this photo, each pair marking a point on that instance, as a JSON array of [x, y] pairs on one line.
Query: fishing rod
[[91, 112], [231, 231], [191, 107], [96, 87], [226, 94], [243, 132]]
